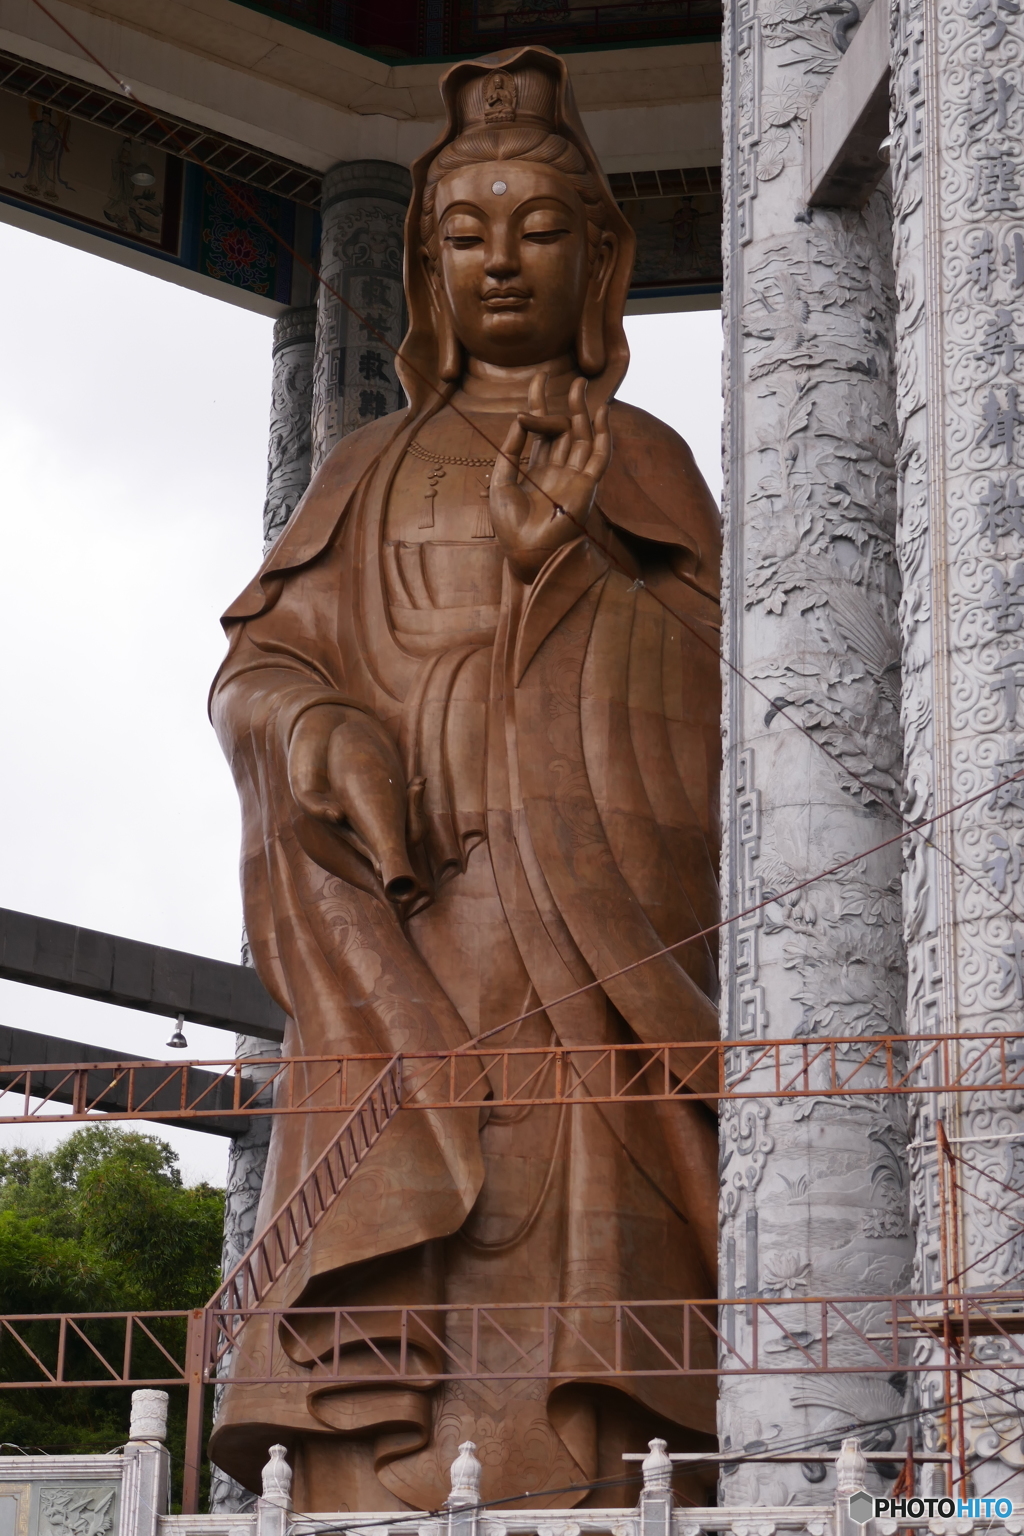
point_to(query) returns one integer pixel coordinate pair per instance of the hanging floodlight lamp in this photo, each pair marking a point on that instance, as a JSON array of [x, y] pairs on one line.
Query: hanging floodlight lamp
[[177, 1041]]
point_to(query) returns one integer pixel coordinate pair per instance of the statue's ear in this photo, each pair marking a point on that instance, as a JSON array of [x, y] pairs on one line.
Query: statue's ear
[[449, 348], [590, 349]]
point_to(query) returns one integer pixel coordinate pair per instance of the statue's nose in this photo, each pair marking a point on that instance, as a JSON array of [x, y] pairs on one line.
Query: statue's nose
[[502, 257]]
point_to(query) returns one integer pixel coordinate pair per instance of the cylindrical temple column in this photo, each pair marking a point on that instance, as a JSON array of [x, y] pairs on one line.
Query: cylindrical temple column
[[958, 178], [288, 474], [362, 212], [247, 1159], [814, 1198], [291, 405], [247, 1162]]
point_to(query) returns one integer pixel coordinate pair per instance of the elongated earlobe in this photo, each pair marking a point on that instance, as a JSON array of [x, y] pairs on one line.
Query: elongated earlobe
[[590, 348], [449, 346], [449, 349]]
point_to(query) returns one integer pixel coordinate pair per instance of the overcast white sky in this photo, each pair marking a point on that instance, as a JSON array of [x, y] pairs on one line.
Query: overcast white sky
[[133, 431]]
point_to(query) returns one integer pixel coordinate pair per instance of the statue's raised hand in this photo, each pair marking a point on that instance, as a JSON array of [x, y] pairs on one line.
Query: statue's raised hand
[[537, 510]]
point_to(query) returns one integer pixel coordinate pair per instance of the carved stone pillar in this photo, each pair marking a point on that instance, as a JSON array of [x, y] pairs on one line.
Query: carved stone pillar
[[958, 175], [291, 404], [362, 213], [247, 1162], [288, 474], [247, 1159], [814, 1198]]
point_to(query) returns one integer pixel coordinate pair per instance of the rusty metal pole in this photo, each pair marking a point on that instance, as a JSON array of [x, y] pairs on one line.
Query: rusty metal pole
[[195, 1370], [946, 1332], [954, 1288]]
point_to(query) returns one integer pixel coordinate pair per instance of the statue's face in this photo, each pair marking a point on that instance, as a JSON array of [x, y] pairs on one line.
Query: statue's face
[[514, 261]]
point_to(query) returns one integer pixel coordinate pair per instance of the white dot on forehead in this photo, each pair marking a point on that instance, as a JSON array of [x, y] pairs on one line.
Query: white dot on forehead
[[499, 187]]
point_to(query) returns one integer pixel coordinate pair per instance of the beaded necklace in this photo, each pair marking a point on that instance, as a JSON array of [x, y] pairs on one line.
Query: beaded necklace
[[437, 461]]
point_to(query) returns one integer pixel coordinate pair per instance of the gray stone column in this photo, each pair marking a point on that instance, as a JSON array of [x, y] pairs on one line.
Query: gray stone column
[[362, 212], [814, 1198], [958, 172], [291, 404], [247, 1162], [288, 474]]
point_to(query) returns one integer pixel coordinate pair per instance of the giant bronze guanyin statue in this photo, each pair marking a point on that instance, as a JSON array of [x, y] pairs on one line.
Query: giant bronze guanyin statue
[[478, 761]]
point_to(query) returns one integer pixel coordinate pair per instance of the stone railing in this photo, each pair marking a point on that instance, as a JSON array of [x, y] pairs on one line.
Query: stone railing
[[125, 1493]]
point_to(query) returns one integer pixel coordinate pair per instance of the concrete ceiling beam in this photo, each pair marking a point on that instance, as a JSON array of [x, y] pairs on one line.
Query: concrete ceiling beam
[[109, 969], [315, 101], [849, 121]]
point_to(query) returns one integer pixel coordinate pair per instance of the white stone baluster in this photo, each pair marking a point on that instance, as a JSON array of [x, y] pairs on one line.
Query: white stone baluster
[[145, 1487], [656, 1499], [149, 1416], [274, 1506], [464, 1499]]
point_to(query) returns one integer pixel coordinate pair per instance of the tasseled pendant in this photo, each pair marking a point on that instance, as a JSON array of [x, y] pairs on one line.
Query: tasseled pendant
[[434, 475], [484, 527]]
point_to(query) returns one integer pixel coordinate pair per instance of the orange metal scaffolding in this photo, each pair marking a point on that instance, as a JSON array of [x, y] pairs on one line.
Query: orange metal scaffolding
[[848, 1066], [619, 1340]]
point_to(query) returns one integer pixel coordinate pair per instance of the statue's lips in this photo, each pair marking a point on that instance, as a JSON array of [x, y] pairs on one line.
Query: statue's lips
[[508, 298]]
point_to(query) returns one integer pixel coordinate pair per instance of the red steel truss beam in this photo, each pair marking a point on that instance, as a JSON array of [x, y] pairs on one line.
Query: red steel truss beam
[[96, 1349], [21, 1047], [846, 1066], [561, 1341], [421, 1346]]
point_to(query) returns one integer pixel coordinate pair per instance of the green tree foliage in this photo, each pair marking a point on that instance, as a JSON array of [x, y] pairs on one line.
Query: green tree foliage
[[103, 1223]]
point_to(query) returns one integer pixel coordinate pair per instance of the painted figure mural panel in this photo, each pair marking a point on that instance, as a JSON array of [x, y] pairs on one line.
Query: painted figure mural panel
[[88, 174]]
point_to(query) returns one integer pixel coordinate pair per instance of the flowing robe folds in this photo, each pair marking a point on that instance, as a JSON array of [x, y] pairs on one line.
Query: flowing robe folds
[[566, 737]]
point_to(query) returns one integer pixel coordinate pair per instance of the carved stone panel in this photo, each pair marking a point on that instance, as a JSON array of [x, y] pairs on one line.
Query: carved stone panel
[[354, 380], [290, 448], [75, 1509]]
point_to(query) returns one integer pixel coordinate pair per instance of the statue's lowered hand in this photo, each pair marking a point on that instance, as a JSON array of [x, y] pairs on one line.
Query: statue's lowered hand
[[344, 769], [537, 511]]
